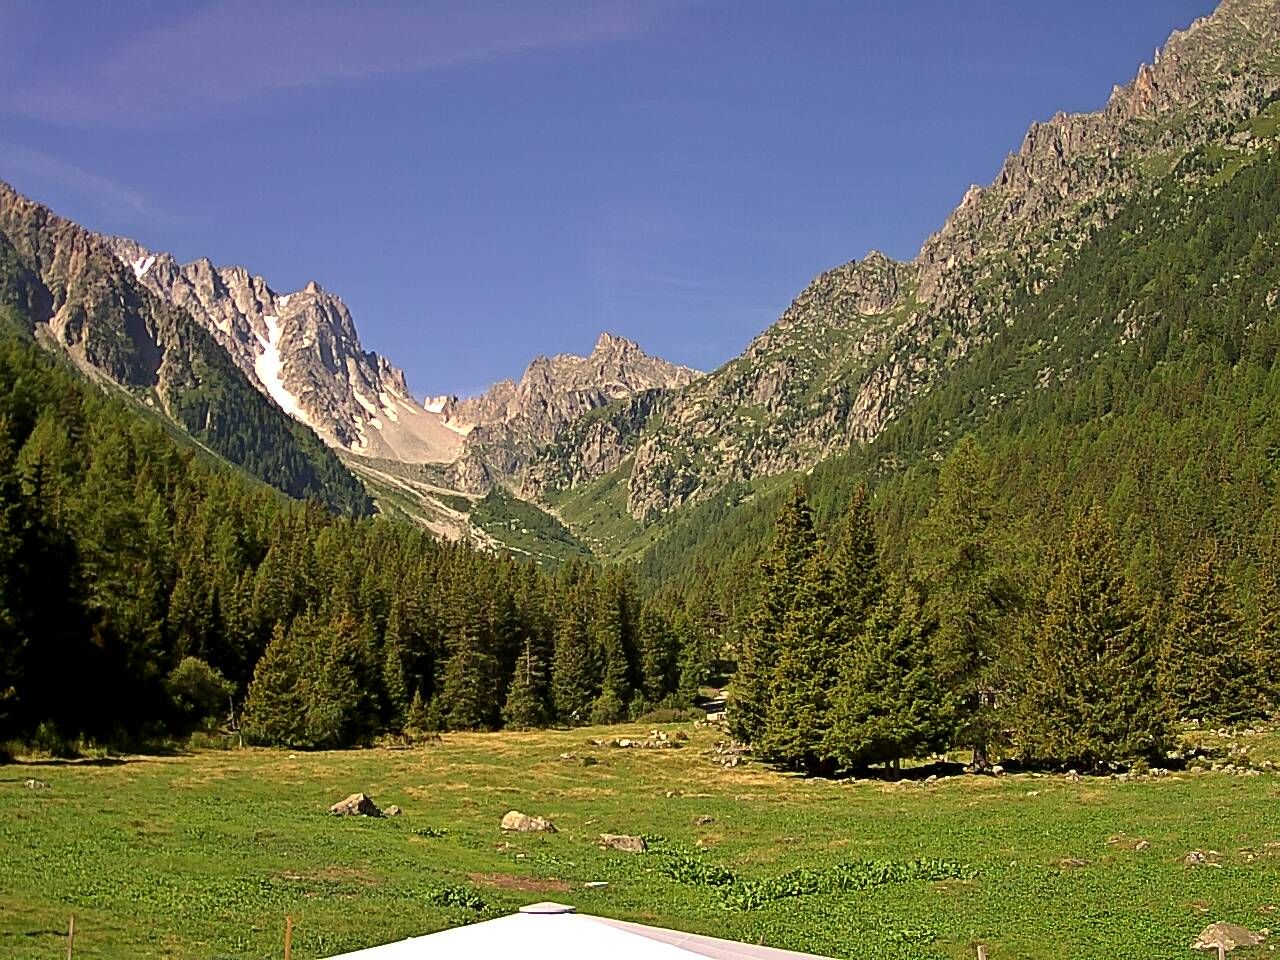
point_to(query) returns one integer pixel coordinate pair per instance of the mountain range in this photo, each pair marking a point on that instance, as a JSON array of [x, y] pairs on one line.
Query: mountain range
[[619, 452]]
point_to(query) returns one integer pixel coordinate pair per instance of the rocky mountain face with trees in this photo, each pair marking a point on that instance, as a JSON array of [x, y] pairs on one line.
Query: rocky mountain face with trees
[[865, 340], [65, 289], [511, 422], [302, 350]]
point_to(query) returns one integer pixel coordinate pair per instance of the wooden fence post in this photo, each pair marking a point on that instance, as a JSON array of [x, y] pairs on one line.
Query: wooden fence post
[[71, 935], [982, 951], [288, 938]]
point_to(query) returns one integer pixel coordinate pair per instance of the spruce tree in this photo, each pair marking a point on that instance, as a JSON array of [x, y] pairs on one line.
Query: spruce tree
[[334, 693], [528, 703], [958, 570], [888, 704], [782, 570], [857, 582], [609, 629], [807, 666], [395, 687], [696, 655], [657, 653], [422, 717], [1266, 633], [274, 707], [1207, 674], [1089, 694], [12, 637], [575, 674], [468, 687]]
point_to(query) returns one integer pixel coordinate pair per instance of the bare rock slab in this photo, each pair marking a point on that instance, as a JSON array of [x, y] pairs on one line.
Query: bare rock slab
[[518, 822], [620, 841], [1228, 936], [356, 805]]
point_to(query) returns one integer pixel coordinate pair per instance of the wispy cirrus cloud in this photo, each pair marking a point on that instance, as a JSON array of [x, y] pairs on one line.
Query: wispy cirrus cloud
[[40, 169], [233, 51]]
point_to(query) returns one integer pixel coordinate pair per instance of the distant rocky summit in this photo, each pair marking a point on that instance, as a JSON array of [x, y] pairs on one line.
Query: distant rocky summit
[[302, 350]]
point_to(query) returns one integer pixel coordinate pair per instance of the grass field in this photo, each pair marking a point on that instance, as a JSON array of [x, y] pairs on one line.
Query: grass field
[[203, 856]]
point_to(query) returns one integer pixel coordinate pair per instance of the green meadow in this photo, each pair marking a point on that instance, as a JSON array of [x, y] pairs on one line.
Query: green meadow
[[204, 855]]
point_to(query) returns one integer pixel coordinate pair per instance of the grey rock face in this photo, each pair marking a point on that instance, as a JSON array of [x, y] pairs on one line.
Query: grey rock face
[[511, 421], [302, 350]]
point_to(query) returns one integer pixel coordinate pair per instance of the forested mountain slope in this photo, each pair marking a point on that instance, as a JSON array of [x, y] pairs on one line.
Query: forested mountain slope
[[147, 589], [1143, 378], [861, 346]]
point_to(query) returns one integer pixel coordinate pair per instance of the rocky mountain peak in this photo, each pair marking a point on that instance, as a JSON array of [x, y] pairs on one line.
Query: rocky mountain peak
[[609, 343], [510, 421], [302, 350]]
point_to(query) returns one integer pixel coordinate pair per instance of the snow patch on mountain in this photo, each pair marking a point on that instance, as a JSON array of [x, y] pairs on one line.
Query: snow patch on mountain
[[269, 366], [142, 265]]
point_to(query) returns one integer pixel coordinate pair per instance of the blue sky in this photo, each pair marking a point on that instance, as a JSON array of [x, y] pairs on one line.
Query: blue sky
[[484, 181]]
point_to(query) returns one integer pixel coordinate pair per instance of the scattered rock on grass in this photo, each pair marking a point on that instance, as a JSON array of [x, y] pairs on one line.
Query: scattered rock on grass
[[392, 811], [1228, 936], [518, 822], [356, 805], [1201, 858], [620, 841], [703, 820], [36, 785]]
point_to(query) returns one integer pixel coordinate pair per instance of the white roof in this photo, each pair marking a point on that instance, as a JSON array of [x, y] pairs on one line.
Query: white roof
[[552, 931]]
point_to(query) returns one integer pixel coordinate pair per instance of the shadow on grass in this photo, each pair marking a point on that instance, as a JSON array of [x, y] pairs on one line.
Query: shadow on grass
[[135, 756], [939, 769]]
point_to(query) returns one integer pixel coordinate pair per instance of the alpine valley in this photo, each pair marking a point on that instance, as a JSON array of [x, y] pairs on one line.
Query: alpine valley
[[1043, 287], [1002, 516]]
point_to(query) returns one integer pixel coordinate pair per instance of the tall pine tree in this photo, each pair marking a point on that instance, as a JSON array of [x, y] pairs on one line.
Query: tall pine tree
[[959, 572], [1089, 694], [796, 714], [888, 704], [468, 687], [1266, 633], [1207, 673], [529, 696], [782, 570], [575, 673], [274, 710]]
